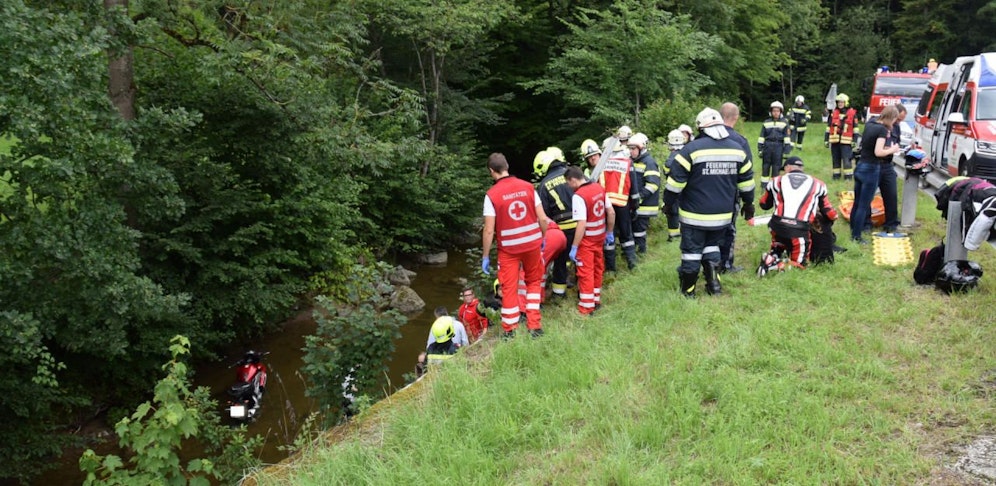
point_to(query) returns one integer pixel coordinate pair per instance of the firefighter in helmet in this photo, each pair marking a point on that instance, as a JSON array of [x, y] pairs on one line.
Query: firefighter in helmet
[[774, 142], [675, 141], [556, 195], [590, 153], [617, 179], [799, 116], [648, 180], [709, 174], [839, 136]]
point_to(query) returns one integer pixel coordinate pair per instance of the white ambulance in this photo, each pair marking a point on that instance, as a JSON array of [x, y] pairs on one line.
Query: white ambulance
[[956, 117]]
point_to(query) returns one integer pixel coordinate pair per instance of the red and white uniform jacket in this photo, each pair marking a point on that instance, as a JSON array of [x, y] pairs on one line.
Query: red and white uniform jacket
[[514, 202], [617, 178], [589, 206]]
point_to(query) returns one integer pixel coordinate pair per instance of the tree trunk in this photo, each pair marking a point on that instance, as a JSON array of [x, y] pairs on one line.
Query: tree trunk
[[121, 86]]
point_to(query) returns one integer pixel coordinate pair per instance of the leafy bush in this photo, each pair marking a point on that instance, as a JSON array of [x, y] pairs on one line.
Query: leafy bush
[[355, 337], [154, 433], [662, 116]]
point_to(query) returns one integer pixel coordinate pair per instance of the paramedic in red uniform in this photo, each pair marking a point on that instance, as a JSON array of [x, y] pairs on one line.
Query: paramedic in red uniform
[[471, 314], [595, 216], [513, 211]]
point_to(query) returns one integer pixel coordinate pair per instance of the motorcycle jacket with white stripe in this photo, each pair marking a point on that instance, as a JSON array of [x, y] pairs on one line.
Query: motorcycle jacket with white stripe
[[797, 198]]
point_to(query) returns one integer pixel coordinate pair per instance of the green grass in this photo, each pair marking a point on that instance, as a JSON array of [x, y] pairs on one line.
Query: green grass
[[843, 374]]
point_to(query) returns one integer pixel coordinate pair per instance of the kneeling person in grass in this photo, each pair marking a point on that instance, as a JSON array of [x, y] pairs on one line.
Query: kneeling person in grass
[[797, 199]]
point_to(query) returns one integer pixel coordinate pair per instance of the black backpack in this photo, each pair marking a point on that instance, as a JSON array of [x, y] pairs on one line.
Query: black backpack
[[930, 262]]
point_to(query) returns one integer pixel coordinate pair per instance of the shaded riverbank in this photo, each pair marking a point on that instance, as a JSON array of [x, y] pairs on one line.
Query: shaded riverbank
[[285, 404]]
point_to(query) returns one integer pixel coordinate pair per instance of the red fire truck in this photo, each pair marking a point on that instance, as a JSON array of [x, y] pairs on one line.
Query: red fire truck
[[896, 88]]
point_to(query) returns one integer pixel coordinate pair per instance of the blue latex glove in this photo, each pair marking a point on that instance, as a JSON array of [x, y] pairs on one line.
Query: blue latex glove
[[485, 264], [543, 245], [610, 238], [574, 253]]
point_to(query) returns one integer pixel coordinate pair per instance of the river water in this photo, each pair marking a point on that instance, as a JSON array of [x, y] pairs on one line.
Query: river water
[[285, 405]]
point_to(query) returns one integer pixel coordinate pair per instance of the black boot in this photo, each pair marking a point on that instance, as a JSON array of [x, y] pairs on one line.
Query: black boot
[[710, 270], [630, 252], [610, 259], [687, 282]]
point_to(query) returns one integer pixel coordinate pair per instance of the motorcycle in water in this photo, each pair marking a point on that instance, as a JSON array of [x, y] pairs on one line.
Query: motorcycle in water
[[250, 384]]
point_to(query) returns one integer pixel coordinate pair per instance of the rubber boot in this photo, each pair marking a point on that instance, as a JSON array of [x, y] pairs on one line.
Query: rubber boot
[[641, 244], [687, 282], [710, 270], [610, 260], [630, 252]]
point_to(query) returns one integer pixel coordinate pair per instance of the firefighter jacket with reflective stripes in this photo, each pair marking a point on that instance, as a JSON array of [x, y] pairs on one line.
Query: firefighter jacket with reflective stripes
[[556, 196], [797, 199], [517, 226], [840, 126], [438, 352], [617, 177], [774, 132], [648, 184], [709, 174], [591, 197], [799, 116]]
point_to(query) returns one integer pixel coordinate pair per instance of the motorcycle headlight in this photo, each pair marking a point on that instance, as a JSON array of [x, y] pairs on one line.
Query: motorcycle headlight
[[986, 148]]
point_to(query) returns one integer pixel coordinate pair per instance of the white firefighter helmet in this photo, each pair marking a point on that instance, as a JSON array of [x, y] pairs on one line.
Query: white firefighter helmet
[[800, 99], [624, 133], [639, 140], [777, 104], [708, 118], [675, 139], [589, 148]]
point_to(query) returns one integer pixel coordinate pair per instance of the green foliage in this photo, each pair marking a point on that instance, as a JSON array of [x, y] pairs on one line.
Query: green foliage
[[751, 50], [29, 397], [154, 432], [411, 214], [866, 49], [662, 116], [942, 30], [617, 60], [444, 46], [71, 261], [354, 340], [801, 39]]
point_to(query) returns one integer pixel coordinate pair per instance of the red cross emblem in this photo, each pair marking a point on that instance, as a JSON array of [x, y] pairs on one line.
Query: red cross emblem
[[599, 208], [517, 210]]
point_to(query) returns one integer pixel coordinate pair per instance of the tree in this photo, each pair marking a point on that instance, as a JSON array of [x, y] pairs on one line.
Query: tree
[[448, 44], [943, 29], [616, 61], [751, 52], [801, 40], [855, 31]]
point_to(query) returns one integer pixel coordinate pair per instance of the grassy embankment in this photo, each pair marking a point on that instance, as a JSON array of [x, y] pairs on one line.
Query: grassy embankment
[[842, 374]]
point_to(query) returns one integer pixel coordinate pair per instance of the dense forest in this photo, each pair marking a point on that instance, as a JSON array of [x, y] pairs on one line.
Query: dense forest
[[198, 167]]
